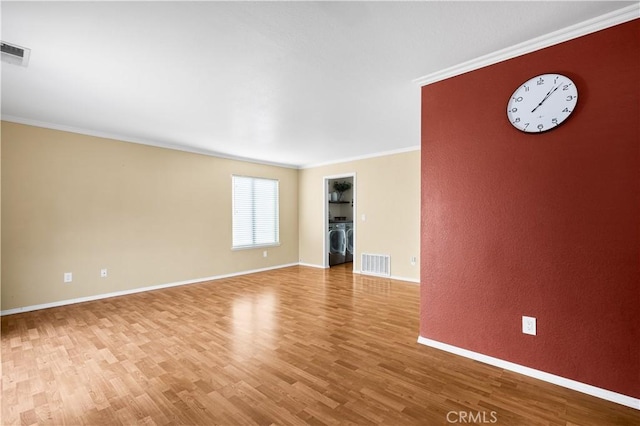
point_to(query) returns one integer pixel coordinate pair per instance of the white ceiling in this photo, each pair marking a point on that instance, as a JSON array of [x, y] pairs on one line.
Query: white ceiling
[[292, 83]]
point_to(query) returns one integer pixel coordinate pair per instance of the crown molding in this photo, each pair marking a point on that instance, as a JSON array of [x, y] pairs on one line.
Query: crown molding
[[602, 22], [176, 147], [362, 157], [140, 141]]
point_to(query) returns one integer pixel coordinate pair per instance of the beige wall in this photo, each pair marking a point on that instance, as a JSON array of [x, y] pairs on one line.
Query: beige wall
[[152, 216], [387, 192], [0, 216], [76, 203]]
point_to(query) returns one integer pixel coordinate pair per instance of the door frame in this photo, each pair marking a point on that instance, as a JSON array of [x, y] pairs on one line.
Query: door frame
[[325, 216]]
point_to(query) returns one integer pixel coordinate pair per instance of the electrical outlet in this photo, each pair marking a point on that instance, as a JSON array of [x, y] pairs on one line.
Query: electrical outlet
[[413, 260], [529, 325], [264, 253], [68, 277], [103, 273]]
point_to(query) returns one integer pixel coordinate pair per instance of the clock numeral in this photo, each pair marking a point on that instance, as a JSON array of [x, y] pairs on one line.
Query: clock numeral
[[554, 121], [526, 125], [540, 127], [514, 109], [526, 88], [566, 110], [570, 98], [566, 87], [555, 80], [517, 120], [540, 81], [518, 99]]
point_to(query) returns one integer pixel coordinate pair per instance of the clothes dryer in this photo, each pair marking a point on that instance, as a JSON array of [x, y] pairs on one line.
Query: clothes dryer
[[349, 235]]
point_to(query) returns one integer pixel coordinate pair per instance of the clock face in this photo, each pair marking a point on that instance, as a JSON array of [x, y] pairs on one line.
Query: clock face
[[542, 103]]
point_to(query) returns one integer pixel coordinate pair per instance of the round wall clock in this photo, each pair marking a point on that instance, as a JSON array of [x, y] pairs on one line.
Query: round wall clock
[[542, 103]]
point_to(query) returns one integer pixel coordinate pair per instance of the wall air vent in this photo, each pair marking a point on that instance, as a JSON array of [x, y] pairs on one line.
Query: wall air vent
[[14, 54], [376, 264]]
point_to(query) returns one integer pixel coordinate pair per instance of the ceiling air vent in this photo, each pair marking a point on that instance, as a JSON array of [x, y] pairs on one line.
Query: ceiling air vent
[[14, 54]]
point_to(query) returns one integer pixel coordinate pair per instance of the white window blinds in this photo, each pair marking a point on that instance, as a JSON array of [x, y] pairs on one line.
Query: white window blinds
[[255, 212]]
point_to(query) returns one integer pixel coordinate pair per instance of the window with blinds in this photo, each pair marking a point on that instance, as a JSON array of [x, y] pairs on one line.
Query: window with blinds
[[255, 212]]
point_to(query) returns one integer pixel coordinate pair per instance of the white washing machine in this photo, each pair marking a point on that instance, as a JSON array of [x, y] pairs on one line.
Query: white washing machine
[[337, 243]]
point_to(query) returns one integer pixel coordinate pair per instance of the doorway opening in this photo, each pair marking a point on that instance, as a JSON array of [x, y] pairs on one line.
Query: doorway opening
[[339, 224]]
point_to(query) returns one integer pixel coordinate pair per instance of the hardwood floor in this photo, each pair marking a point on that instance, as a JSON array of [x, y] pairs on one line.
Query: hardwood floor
[[293, 346]]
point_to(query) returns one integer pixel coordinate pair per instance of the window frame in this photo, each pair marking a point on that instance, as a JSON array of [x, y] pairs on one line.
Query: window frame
[[254, 245]]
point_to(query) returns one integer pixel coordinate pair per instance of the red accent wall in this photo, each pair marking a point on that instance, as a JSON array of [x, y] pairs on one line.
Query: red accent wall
[[544, 225]]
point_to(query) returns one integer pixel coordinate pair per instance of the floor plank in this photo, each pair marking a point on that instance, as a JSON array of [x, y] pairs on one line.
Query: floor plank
[[294, 346]]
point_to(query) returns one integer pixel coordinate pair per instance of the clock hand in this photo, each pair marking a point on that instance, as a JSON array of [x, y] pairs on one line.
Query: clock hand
[[546, 97]]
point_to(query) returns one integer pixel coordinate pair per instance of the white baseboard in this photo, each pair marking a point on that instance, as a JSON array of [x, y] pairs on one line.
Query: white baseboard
[[391, 277], [409, 280], [136, 290], [313, 265], [355, 271], [158, 287], [536, 374]]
